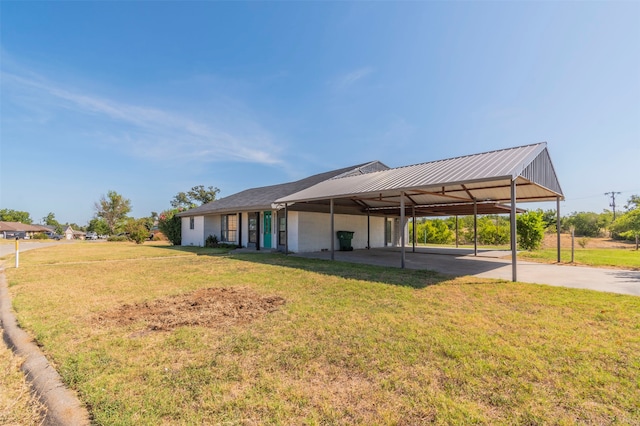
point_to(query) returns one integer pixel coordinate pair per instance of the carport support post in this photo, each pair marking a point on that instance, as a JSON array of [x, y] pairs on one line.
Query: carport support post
[[286, 229], [475, 227], [333, 256], [368, 229], [514, 248], [558, 224], [413, 227], [456, 231], [402, 249]]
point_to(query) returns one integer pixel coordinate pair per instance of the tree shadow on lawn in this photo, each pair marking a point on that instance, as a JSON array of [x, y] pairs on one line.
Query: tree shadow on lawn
[[386, 275]]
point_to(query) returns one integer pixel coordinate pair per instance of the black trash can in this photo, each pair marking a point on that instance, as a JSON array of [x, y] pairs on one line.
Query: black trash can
[[345, 238]]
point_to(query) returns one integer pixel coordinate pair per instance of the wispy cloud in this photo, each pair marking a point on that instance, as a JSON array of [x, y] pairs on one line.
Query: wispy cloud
[[349, 79], [150, 132]]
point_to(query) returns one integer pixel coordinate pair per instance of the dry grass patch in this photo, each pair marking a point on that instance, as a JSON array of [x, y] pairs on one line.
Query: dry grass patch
[[17, 405], [353, 344]]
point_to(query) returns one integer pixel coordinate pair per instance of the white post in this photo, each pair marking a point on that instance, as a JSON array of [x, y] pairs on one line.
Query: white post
[[17, 253]]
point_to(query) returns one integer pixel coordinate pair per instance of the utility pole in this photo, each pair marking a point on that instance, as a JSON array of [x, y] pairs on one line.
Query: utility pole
[[612, 194]]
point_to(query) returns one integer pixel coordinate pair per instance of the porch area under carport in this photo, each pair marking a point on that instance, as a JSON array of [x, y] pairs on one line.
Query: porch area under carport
[[495, 264], [495, 181]]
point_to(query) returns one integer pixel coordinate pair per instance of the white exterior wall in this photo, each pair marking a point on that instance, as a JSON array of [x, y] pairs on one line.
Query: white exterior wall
[[313, 231], [195, 236], [212, 226], [293, 231]]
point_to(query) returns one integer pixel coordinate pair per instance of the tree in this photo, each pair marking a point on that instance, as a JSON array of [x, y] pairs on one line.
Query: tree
[[113, 208], [627, 225], [633, 202], [171, 226], [586, 224], [198, 195], [530, 229], [138, 229], [50, 220], [9, 215], [99, 226]]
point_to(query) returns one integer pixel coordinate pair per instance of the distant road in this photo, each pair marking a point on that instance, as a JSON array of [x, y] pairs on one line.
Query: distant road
[[7, 249]]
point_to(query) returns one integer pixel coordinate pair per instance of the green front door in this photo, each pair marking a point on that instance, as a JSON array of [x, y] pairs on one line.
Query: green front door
[[267, 230]]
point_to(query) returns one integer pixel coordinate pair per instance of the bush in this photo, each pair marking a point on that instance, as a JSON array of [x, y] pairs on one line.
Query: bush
[[138, 230], [171, 226], [211, 241], [39, 236], [530, 230], [118, 238]]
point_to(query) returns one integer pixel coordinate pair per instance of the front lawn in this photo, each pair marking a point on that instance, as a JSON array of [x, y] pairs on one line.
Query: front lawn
[[158, 335]]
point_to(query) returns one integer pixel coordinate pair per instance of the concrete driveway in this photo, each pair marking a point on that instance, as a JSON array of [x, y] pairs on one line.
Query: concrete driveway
[[492, 264]]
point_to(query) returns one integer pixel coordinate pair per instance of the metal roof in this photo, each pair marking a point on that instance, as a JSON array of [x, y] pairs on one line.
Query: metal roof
[[481, 177], [262, 198]]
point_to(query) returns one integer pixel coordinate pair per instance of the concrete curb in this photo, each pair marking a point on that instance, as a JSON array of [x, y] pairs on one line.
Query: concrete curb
[[63, 406]]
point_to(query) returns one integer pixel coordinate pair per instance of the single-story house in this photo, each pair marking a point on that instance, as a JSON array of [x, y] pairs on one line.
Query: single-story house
[[375, 201], [71, 234], [20, 230], [252, 219]]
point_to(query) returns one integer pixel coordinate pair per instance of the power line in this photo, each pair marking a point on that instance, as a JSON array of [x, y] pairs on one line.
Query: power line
[[613, 201]]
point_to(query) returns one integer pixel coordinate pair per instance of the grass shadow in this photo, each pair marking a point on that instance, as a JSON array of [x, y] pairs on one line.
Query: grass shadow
[[381, 274]]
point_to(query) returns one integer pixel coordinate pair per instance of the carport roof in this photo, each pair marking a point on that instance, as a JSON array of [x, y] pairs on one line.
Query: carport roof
[[455, 182]]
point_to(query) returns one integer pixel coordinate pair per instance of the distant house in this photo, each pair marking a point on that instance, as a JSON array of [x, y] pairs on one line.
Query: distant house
[[20, 230], [71, 234]]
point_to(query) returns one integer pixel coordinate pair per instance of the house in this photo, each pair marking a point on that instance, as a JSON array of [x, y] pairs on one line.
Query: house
[[71, 234], [375, 201], [20, 230], [251, 219]]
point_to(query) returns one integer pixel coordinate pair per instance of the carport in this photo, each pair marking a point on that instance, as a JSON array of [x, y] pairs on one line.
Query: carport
[[487, 183]]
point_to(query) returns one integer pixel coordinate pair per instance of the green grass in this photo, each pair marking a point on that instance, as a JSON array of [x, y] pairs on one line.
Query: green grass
[[615, 257], [353, 344]]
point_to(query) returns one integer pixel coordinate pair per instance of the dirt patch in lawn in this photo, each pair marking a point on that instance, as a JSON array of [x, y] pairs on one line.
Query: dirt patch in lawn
[[551, 240], [211, 307]]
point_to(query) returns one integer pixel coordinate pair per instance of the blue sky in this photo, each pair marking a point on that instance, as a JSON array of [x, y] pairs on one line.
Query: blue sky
[[152, 98]]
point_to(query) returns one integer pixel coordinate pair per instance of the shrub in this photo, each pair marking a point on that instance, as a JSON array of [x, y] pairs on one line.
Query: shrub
[[211, 241], [171, 226], [39, 236], [530, 230], [118, 238], [582, 242]]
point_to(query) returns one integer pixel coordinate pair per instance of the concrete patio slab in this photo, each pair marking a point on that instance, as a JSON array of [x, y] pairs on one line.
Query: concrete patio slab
[[494, 264]]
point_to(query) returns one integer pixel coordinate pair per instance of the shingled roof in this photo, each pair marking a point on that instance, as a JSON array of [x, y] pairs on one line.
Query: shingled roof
[[262, 198]]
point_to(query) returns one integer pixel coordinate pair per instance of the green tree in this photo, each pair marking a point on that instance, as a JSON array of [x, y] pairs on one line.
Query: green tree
[[138, 230], [50, 220], [198, 195], [530, 229], [9, 215], [586, 224], [171, 225], [113, 208], [99, 226], [627, 225], [633, 202]]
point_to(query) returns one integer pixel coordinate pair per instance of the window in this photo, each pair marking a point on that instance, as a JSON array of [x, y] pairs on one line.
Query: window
[[253, 228], [229, 228], [282, 230], [192, 223]]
